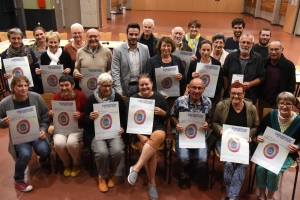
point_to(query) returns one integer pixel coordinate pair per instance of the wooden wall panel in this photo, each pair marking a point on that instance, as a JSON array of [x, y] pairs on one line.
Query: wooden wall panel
[[234, 6], [212, 6], [283, 7], [221, 6], [173, 5], [137, 5], [188, 5], [251, 3], [267, 5], [149, 5]]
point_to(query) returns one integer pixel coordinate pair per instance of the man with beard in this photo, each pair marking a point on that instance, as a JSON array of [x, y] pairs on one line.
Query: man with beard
[[177, 35], [262, 46], [232, 43], [279, 77], [129, 60], [244, 62], [147, 38]]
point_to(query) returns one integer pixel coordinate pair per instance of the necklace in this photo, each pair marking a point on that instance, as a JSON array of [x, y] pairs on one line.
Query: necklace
[[283, 117]]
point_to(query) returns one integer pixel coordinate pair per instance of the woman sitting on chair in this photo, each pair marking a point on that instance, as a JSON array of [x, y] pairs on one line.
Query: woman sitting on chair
[[236, 111], [149, 146], [286, 121], [67, 145]]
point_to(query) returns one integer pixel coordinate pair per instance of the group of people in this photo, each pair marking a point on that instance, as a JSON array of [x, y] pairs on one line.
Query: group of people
[[130, 71]]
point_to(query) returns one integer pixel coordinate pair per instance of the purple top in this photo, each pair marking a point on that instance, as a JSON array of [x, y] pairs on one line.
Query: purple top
[[272, 81]]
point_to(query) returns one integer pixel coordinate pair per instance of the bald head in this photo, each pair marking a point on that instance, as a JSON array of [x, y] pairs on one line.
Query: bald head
[[196, 89], [177, 34]]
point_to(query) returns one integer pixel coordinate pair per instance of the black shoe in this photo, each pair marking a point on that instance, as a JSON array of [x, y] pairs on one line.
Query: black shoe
[[182, 178]]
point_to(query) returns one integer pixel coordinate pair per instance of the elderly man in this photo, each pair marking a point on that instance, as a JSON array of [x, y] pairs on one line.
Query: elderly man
[[128, 62], [244, 62], [147, 38], [192, 102], [262, 46], [232, 43], [279, 77], [92, 55], [177, 36]]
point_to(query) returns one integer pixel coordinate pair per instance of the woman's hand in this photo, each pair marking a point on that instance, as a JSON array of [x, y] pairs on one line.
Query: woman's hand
[[193, 57], [121, 131], [143, 138], [293, 148], [6, 122], [196, 75], [159, 111], [67, 70], [179, 128], [205, 126], [76, 115], [7, 75], [250, 139], [42, 135], [94, 115], [51, 114], [221, 132], [38, 71], [260, 138], [178, 76], [78, 75]]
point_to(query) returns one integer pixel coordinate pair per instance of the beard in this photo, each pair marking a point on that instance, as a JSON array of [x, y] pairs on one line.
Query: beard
[[264, 42]]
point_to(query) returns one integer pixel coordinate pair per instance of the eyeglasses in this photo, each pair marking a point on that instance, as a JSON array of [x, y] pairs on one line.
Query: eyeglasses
[[288, 105], [16, 39], [236, 93], [93, 36], [197, 88], [106, 86], [274, 49]]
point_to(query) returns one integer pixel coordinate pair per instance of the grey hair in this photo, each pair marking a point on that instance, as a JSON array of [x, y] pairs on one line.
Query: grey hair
[[149, 20], [105, 77], [248, 35], [183, 33], [14, 31], [77, 25], [286, 96], [219, 36], [281, 44]]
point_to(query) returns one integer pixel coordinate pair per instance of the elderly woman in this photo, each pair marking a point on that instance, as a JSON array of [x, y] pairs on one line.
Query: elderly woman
[[205, 49], [18, 49], [236, 111], [218, 42], [286, 121], [164, 58], [149, 146], [193, 37], [67, 145], [22, 98], [107, 153]]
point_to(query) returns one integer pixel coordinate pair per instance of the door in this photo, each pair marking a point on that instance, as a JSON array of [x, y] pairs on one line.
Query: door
[[72, 12], [58, 14], [291, 17]]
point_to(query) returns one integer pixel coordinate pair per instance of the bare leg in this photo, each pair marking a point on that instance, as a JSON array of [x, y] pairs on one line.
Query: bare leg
[[262, 193], [151, 169], [147, 152], [270, 195]]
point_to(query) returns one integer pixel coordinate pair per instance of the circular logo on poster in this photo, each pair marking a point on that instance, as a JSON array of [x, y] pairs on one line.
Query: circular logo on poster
[[92, 83], [234, 144], [271, 150], [140, 117], [166, 83], [106, 121], [191, 131], [63, 119], [23, 126], [17, 71], [206, 79], [52, 80]]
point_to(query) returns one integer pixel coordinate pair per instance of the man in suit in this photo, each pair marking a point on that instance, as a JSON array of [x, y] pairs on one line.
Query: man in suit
[[129, 60]]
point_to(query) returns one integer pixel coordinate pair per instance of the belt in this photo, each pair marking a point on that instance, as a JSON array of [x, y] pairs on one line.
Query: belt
[[133, 83]]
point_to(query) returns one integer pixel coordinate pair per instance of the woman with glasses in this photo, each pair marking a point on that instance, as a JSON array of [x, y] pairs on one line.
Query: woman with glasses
[[235, 111], [18, 49], [107, 153], [218, 52], [286, 121], [193, 37], [149, 145]]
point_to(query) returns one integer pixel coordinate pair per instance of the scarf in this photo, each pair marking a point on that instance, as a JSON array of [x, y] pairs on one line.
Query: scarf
[[192, 42], [23, 51], [54, 57], [291, 129], [99, 98]]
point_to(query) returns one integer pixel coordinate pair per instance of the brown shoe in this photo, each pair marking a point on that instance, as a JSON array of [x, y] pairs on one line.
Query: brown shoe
[[102, 185], [111, 180]]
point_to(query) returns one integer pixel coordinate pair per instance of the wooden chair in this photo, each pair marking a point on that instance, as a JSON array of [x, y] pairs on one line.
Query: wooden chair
[[122, 37], [3, 36], [155, 34], [105, 36], [84, 36], [29, 34], [63, 36], [297, 95]]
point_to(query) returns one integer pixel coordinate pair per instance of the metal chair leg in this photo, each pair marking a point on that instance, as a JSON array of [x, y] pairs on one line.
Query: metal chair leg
[[56, 163], [126, 161], [253, 179], [165, 162], [212, 170], [295, 182], [91, 162], [250, 172], [170, 165]]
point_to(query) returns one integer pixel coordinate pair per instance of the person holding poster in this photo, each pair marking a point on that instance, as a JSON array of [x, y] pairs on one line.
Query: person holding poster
[[286, 121], [67, 145], [21, 153], [107, 153], [164, 58], [205, 49], [192, 102], [18, 49], [149, 146], [236, 111]]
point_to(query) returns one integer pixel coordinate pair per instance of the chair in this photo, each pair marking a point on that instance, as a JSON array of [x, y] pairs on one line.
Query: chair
[[47, 97], [297, 95], [63, 36], [3, 36], [105, 36], [155, 34], [84, 36], [29, 34], [122, 37]]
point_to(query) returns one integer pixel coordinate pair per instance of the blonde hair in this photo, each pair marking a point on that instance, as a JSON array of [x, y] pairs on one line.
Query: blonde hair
[[51, 35]]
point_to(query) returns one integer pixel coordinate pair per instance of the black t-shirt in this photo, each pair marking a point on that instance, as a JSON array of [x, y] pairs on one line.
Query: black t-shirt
[[237, 119], [263, 51], [21, 104], [231, 44], [148, 43]]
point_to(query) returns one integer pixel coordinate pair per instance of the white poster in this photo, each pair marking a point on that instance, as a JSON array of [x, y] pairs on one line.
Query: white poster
[[18, 66], [63, 117], [24, 125], [50, 77], [185, 57], [89, 79], [235, 145], [166, 81], [272, 153], [140, 116], [107, 125], [193, 136], [209, 75], [237, 77]]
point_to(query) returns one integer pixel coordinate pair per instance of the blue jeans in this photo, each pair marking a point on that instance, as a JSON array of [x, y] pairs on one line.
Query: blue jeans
[[108, 154], [24, 152], [184, 155]]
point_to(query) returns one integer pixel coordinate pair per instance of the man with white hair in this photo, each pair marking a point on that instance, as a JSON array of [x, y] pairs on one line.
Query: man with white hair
[[177, 36], [147, 38], [244, 62]]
